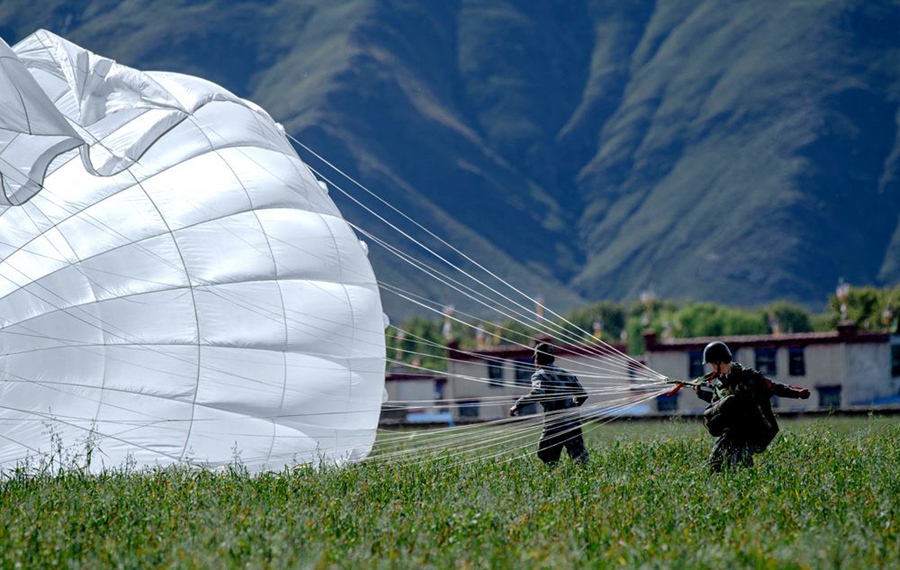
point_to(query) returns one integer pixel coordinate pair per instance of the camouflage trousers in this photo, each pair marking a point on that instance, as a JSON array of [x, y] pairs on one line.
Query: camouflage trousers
[[730, 451], [561, 434]]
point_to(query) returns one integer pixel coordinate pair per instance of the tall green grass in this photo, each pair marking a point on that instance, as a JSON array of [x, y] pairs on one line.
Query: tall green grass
[[826, 494]]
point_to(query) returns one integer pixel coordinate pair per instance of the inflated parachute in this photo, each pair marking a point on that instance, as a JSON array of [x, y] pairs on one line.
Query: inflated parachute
[[174, 283]]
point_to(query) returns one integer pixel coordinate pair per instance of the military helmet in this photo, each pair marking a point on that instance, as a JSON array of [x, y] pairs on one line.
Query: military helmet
[[716, 351], [543, 352]]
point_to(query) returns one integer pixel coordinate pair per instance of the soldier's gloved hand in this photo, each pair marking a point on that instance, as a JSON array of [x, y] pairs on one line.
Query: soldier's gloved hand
[[804, 394], [513, 411]]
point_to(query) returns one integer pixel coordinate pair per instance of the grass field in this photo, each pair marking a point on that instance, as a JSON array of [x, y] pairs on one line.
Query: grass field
[[826, 494]]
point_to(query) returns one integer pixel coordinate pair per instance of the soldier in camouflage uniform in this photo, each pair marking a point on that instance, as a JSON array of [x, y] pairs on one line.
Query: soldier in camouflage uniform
[[559, 393], [740, 411]]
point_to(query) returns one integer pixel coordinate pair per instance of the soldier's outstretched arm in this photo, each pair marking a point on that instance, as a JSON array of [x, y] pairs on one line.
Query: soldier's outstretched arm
[[783, 390]]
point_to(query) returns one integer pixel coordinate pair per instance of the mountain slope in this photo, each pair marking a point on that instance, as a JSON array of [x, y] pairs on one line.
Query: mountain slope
[[749, 157], [737, 152]]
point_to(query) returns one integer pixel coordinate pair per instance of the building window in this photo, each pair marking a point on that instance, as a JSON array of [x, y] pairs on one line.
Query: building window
[[495, 373], [695, 364], [829, 396], [796, 361], [667, 403], [469, 408], [765, 361], [524, 370], [895, 360]]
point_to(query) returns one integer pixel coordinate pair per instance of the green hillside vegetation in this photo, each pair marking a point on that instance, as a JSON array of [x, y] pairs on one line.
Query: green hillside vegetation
[[869, 308], [825, 495], [582, 149]]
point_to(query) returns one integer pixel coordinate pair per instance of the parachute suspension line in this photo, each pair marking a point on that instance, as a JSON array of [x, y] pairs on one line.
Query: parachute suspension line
[[599, 364], [591, 390], [611, 350], [170, 232], [515, 365], [100, 225], [107, 331], [574, 431], [530, 322], [482, 436], [605, 364], [602, 346], [105, 226], [631, 362], [441, 240]]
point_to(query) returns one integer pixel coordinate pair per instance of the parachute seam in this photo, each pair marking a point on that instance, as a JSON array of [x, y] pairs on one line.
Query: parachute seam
[[164, 290], [50, 384], [90, 282], [196, 316], [283, 312], [349, 305], [190, 285], [321, 355], [162, 218], [275, 272], [102, 200], [154, 236], [57, 418], [193, 299], [99, 312]]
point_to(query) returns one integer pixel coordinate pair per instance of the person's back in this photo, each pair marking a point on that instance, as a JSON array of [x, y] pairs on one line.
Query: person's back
[[558, 392], [559, 389]]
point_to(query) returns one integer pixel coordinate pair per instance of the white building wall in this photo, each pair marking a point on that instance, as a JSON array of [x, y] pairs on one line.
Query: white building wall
[[862, 370], [469, 380], [869, 373], [825, 366], [402, 391]]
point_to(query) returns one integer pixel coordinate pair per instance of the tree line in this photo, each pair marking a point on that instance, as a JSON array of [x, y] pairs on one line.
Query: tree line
[[420, 340]]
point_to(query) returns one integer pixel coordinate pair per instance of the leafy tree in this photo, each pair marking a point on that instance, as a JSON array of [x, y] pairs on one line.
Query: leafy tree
[[608, 315], [790, 317], [867, 306], [421, 343]]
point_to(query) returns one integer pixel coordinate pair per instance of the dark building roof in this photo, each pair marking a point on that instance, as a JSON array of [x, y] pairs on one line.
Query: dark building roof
[[515, 352], [410, 374], [845, 333]]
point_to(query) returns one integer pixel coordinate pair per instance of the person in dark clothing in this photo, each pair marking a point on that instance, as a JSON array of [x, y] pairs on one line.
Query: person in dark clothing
[[740, 410], [559, 393]]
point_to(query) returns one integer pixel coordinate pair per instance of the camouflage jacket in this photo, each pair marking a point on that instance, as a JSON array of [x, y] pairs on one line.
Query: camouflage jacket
[[555, 389], [750, 414]]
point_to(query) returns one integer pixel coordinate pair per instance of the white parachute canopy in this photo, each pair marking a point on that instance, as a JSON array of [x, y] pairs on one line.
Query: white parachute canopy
[[32, 131], [184, 292]]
